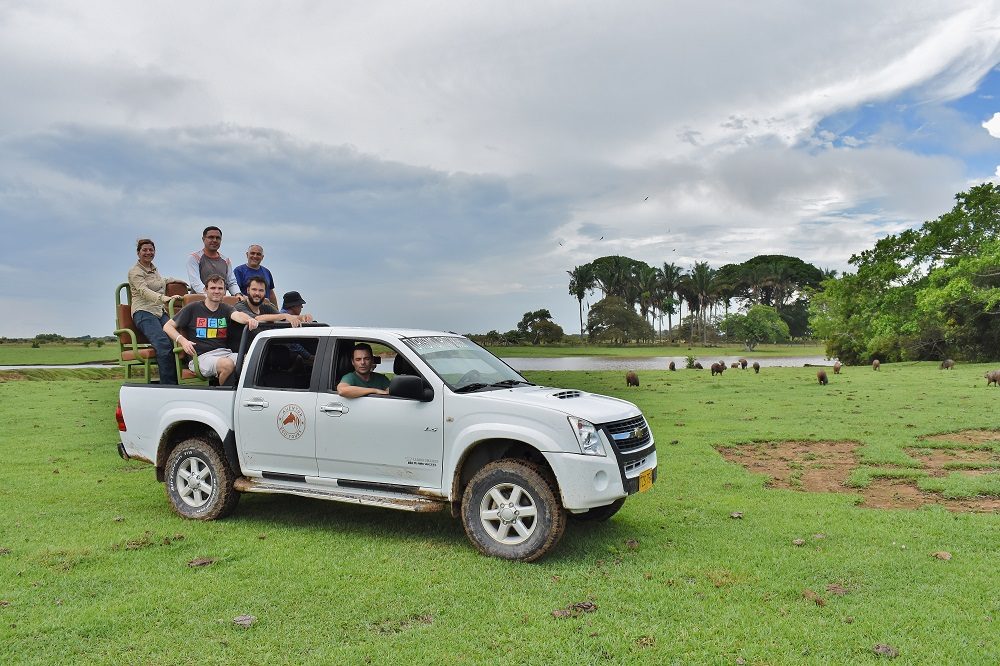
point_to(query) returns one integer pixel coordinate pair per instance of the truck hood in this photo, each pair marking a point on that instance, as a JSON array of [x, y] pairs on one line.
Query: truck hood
[[590, 406]]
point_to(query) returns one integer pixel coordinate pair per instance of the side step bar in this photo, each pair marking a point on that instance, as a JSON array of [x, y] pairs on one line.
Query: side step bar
[[388, 500]]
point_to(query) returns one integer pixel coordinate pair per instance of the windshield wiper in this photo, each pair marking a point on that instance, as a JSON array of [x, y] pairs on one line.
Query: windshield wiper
[[469, 388], [511, 382]]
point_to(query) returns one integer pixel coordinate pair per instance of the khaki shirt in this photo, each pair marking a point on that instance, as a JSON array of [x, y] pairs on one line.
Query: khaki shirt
[[147, 289]]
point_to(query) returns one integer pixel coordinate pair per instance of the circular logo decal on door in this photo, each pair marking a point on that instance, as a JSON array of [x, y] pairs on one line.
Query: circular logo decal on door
[[291, 422]]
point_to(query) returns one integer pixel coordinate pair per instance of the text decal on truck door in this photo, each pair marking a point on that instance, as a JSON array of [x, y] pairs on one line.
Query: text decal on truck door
[[291, 422]]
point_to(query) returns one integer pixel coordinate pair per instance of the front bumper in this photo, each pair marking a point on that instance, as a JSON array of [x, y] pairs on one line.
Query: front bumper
[[587, 482]]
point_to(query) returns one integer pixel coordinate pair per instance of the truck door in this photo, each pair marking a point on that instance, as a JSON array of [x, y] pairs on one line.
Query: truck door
[[276, 407], [378, 439]]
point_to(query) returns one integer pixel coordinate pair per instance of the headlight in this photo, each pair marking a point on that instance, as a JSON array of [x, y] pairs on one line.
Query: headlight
[[587, 436]]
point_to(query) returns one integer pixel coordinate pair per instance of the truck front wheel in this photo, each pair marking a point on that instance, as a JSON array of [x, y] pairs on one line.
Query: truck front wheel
[[199, 481], [511, 510]]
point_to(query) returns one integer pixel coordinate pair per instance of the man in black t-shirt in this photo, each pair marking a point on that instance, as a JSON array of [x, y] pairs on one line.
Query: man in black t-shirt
[[255, 306], [201, 330]]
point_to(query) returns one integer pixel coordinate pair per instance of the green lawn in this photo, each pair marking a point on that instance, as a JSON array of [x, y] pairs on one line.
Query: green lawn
[[56, 354], [67, 354], [546, 351], [94, 565]]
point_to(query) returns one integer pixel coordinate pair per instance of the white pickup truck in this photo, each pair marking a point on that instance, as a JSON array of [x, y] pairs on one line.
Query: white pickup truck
[[460, 430]]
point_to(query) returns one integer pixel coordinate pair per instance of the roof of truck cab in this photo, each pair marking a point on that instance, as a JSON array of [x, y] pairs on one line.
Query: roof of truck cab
[[360, 331]]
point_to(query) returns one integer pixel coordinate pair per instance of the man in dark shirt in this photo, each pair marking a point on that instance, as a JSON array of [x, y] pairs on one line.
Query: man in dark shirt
[[363, 381], [201, 329], [292, 303], [253, 268], [256, 307]]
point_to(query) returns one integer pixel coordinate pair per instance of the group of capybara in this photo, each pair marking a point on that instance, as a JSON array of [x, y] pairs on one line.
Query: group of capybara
[[718, 368], [632, 378]]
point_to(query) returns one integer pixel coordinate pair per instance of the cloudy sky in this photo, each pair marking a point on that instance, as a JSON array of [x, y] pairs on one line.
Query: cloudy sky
[[443, 164]]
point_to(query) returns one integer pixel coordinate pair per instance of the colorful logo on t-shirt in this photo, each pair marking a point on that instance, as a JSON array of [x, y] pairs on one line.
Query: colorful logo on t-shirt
[[210, 327]]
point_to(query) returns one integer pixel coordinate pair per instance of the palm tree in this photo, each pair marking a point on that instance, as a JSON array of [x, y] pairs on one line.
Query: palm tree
[[783, 282], [757, 278], [670, 276], [723, 288], [613, 275], [647, 283], [581, 280], [702, 276]]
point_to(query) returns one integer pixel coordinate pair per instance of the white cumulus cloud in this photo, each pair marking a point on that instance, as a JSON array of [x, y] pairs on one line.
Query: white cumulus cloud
[[993, 125]]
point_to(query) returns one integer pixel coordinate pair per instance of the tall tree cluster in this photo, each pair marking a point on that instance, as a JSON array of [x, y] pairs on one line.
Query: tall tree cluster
[[925, 293], [652, 293]]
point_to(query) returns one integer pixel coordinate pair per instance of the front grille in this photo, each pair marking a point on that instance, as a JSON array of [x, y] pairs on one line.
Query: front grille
[[634, 465], [630, 434]]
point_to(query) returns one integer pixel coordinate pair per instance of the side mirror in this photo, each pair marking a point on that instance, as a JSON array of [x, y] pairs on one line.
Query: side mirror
[[411, 388]]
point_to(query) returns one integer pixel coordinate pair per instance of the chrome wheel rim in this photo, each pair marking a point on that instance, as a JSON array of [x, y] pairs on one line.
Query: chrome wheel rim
[[508, 514], [195, 482]]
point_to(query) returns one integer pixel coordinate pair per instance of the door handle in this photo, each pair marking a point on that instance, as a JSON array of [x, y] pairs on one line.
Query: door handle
[[334, 409], [256, 404]]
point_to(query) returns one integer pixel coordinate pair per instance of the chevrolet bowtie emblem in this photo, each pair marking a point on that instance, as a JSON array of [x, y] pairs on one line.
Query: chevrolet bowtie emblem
[[639, 433]]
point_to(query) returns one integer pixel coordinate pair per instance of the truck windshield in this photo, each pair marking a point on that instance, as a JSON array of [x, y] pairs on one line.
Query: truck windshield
[[463, 365]]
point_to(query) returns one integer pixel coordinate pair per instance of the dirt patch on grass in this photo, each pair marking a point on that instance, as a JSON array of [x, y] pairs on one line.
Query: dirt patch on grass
[[814, 467], [825, 466], [989, 437], [940, 462]]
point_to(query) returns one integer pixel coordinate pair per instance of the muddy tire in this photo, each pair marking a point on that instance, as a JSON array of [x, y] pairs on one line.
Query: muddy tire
[[600, 513], [200, 481], [511, 510]]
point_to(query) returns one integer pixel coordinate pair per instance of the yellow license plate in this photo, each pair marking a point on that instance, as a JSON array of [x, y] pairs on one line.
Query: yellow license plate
[[645, 480]]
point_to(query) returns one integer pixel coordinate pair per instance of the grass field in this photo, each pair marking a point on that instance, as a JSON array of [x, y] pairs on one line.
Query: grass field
[[56, 354], [95, 567], [549, 351], [67, 354]]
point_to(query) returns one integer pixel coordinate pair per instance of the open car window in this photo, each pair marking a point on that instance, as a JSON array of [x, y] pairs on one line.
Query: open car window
[[463, 365], [385, 360]]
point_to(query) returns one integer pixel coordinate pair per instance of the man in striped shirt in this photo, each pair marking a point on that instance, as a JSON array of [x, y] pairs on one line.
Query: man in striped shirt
[[209, 261]]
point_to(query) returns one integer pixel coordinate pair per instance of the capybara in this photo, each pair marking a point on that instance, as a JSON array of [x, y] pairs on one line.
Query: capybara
[[992, 377], [631, 379], [743, 363], [756, 367], [821, 376], [717, 368], [876, 364], [698, 366], [734, 364], [836, 367], [672, 366], [947, 364]]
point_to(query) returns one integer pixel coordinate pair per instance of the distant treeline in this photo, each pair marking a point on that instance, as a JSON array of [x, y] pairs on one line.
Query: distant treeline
[[637, 297], [50, 338]]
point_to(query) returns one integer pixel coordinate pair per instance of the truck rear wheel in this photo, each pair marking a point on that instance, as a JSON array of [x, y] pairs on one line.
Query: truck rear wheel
[[200, 482], [511, 510]]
